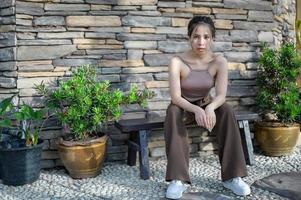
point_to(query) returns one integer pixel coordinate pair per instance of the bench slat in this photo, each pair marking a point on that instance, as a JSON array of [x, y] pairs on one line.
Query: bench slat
[[129, 125]]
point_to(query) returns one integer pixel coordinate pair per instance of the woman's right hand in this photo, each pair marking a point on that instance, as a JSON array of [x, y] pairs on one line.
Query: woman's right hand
[[200, 116]]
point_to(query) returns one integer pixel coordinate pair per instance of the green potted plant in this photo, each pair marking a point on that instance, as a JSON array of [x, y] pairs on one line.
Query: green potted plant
[[85, 106], [278, 99], [20, 157]]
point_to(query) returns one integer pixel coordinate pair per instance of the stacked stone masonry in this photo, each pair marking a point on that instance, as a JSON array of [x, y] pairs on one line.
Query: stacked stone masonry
[[131, 41]]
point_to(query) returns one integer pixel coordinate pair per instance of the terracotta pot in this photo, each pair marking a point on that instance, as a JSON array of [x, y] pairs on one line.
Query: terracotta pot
[[83, 159], [275, 139]]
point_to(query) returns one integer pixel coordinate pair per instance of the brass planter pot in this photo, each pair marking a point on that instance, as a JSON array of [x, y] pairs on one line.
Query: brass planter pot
[[83, 159], [275, 139]]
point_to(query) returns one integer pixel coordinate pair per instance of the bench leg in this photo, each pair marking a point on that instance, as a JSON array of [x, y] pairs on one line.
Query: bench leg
[[132, 152], [143, 154], [246, 141]]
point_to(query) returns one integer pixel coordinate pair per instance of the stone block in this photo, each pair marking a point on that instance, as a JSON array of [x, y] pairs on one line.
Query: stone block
[[99, 36], [115, 56], [145, 13], [7, 20], [208, 146], [30, 82], [73, 62], [26, 36], [117, 149], [255, 26], [140, 44], [111, 78], [248, 4], [161, 76], [7, 82], [241, 91], [143, 30], [49, 20], [50, 155], [47, 164], [261, 16], [243, 35], [135, 54], [173, 46], [138, 70], [99, 46], [241, 56], [87, 21], [101, 7], [229, 16], [13, 74], [222, 46], [157, 152], [161, 94], [157, 59], [235, 11], [121, 63], [223, 24], [8, 66], [136, 2], [35, 68], [36, 102], [173, 30], [29, 8], [7, 28], [60, 35], [66, 7], [179, 22], [7, 54], [43, 42], [44, 52], [50, 134], [7, 3], [265, 36], [104, 2], [171, 4], [157, 84], [143, 21], [195, 10], [136, 77], [141, 37], [105, 51]]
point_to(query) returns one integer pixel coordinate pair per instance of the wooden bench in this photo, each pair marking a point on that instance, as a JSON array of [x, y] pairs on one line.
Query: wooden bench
[[140, 128]]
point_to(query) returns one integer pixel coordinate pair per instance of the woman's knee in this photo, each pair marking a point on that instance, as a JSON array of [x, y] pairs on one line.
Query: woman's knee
[[173, 109]]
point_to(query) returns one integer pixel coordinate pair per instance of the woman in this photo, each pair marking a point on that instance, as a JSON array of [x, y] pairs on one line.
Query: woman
[[191, 76]]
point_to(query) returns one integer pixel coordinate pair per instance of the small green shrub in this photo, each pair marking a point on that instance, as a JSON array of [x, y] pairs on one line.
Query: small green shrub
[[278, 92], [85, 104]]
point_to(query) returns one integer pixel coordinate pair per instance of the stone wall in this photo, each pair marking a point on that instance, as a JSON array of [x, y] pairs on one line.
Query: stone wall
[[131, 42]]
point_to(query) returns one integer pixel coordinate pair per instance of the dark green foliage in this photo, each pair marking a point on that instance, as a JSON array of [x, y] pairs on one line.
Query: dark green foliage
[[26, 116], [85, 104], [278, 92], [5, 106]]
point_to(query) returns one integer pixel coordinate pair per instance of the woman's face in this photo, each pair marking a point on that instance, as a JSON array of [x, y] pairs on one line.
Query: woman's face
[[201, 39]]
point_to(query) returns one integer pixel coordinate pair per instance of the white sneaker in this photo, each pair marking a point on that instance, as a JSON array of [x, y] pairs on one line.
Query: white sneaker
[[238, 186], [175, 189]]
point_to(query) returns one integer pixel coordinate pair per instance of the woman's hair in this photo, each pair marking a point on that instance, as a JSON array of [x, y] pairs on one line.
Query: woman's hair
[[198, 20]]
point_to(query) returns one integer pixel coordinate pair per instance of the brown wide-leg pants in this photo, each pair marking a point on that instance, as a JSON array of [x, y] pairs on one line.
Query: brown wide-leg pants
[[231, 154]]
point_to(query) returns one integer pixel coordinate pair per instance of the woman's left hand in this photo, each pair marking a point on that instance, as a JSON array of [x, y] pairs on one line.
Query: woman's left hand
[[210, 118]]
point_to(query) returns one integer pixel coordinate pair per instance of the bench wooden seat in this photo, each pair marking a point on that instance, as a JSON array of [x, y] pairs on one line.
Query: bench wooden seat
[[140, 128]]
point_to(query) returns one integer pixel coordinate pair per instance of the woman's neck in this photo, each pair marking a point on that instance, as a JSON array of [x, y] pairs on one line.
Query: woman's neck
[[206, 56]]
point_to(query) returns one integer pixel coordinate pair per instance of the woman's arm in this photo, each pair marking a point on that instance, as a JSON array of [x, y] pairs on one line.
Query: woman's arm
[[221, 83], [175, 92]]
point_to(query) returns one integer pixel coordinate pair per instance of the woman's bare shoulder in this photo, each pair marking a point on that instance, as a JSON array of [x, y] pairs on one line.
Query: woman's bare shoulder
[[219, 59]]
